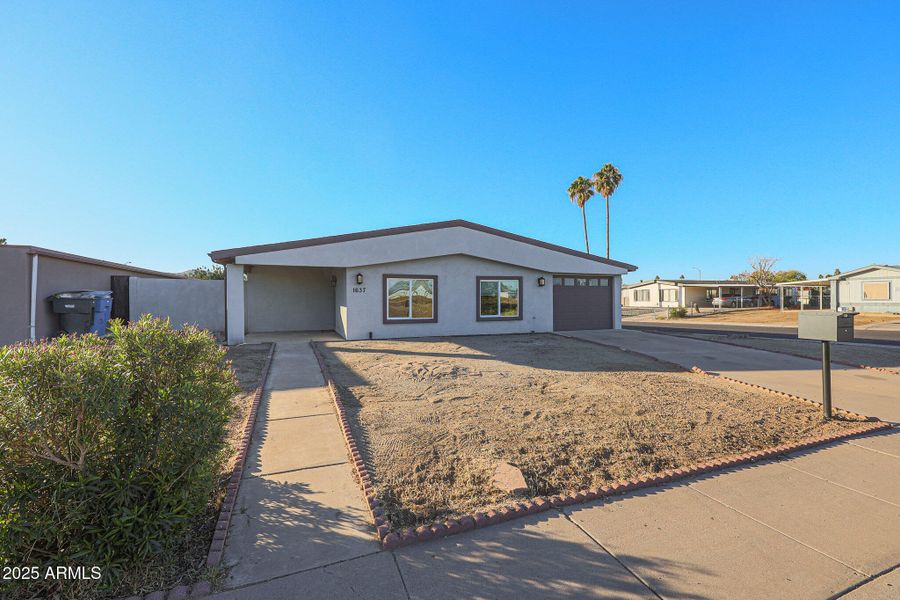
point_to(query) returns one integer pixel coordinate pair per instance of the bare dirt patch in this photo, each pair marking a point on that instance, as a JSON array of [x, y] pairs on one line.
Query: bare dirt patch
[[434, 416], [787, 318], [885, 357]]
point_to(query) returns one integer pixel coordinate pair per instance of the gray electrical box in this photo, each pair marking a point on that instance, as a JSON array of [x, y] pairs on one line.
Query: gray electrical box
[[825, 326]]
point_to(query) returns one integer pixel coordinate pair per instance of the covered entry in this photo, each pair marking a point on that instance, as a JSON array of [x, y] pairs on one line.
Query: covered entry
[[582, 303]]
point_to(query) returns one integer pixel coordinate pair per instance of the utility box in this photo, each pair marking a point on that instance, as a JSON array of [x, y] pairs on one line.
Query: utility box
[[825, 326]]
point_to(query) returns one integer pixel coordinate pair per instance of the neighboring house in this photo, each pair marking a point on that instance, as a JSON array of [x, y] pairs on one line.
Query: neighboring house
[[31, 274], [875, 288], [445, 278], [683, 293]]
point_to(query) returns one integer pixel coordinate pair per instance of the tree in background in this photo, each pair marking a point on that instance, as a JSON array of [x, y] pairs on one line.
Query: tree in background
[[213, 272], [580, 192], [836, 272], [789, 275], [762, 276], [2, 241], [605, 181]]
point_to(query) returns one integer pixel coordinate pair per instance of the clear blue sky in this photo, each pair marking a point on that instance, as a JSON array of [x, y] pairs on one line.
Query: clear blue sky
[[155, 133]]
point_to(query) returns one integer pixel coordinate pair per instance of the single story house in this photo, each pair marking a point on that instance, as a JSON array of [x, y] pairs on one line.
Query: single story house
[[683, 293], [444, 278], [30, 274], [875, 288]]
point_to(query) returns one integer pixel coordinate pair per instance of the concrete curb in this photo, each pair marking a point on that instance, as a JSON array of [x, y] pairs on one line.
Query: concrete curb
[[214, 555], [405, 537]]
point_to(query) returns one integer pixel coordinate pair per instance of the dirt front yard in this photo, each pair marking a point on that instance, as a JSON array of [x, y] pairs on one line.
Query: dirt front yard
[[787, 318], [434, 417]]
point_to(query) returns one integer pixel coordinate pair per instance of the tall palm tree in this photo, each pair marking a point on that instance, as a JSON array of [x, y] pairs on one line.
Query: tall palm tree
[[580, 192], [605, 181]]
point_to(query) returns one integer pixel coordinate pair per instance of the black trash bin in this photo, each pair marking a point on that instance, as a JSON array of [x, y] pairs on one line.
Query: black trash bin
[[82, 311]]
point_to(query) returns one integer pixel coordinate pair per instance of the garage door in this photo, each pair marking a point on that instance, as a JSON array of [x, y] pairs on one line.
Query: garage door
[[582, 303]]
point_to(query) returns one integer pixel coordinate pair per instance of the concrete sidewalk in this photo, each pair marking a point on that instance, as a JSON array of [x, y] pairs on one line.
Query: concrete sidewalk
[[813, 525], [298, 507], [860, 390]]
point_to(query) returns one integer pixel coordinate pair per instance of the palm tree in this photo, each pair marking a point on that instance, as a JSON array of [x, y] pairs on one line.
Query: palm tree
[[580, 192], [605, 181]]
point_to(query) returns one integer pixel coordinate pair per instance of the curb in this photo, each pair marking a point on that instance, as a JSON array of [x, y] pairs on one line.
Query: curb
[[391, 540], [216, 548]]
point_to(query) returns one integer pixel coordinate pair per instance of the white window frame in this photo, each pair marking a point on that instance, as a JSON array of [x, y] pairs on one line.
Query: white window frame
[[499, 281], [410, 279]]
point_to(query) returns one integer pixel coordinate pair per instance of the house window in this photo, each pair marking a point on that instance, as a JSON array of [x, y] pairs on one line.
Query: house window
[[642, 295], [876, 290], [668, 295], [410, 299], [499, 298]]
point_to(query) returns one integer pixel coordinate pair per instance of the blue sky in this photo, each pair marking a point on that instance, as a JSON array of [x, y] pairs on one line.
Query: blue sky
[[156, 133]]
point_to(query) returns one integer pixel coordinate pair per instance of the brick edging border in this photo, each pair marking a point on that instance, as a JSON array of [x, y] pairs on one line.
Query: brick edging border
[[849, 413], [395, 539], [787, 352], [217, 546]]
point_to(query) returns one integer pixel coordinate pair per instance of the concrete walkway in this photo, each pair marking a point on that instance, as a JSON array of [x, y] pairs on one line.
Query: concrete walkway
[[815, 525], [298, 507], [860, 390]]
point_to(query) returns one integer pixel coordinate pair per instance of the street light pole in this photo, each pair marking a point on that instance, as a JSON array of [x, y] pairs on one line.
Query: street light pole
[[699, 272]]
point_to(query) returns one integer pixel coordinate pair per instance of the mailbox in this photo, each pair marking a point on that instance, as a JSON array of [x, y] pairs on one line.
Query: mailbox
[[825, 326]]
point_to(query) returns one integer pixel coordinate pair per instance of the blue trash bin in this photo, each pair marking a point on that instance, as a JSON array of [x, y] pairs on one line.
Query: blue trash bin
[[102, 311]]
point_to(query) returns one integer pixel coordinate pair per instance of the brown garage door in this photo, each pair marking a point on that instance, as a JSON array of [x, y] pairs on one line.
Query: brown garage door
[[582, 303]]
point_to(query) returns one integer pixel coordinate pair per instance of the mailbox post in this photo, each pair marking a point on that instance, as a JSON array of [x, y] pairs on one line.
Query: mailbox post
[[827, 327]]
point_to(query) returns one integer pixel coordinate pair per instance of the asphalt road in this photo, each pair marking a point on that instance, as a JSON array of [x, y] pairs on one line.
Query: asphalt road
[[868, 336]]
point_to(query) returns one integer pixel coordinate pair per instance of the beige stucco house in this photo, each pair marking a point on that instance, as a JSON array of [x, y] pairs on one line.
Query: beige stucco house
[[445, 278], [684, 293]]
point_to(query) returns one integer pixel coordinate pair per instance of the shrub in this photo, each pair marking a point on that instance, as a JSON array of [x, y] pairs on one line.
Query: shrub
[[677, 313], [111, 447]]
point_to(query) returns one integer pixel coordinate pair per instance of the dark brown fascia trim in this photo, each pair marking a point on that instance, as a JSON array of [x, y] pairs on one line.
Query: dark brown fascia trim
[[91, 261], [384, 300], [228, 255], [481, 278]]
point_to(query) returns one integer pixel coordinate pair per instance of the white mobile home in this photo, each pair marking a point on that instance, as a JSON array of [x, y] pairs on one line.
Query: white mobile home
[[875, 288], [445, 278], [684, 293]]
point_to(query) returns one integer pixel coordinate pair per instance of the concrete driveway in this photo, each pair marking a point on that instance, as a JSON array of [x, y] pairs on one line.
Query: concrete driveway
[[816, 524], [860, 390]]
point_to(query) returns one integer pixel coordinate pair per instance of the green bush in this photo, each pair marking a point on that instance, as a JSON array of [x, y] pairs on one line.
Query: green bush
[[677, 313], [111, 447]]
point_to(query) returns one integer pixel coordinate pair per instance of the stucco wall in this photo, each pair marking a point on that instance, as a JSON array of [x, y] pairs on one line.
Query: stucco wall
[[341, 315], [195, 301], [850, 291], [57, 275], [289, 299], [456, 296], [451, 241], [15, 295]]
